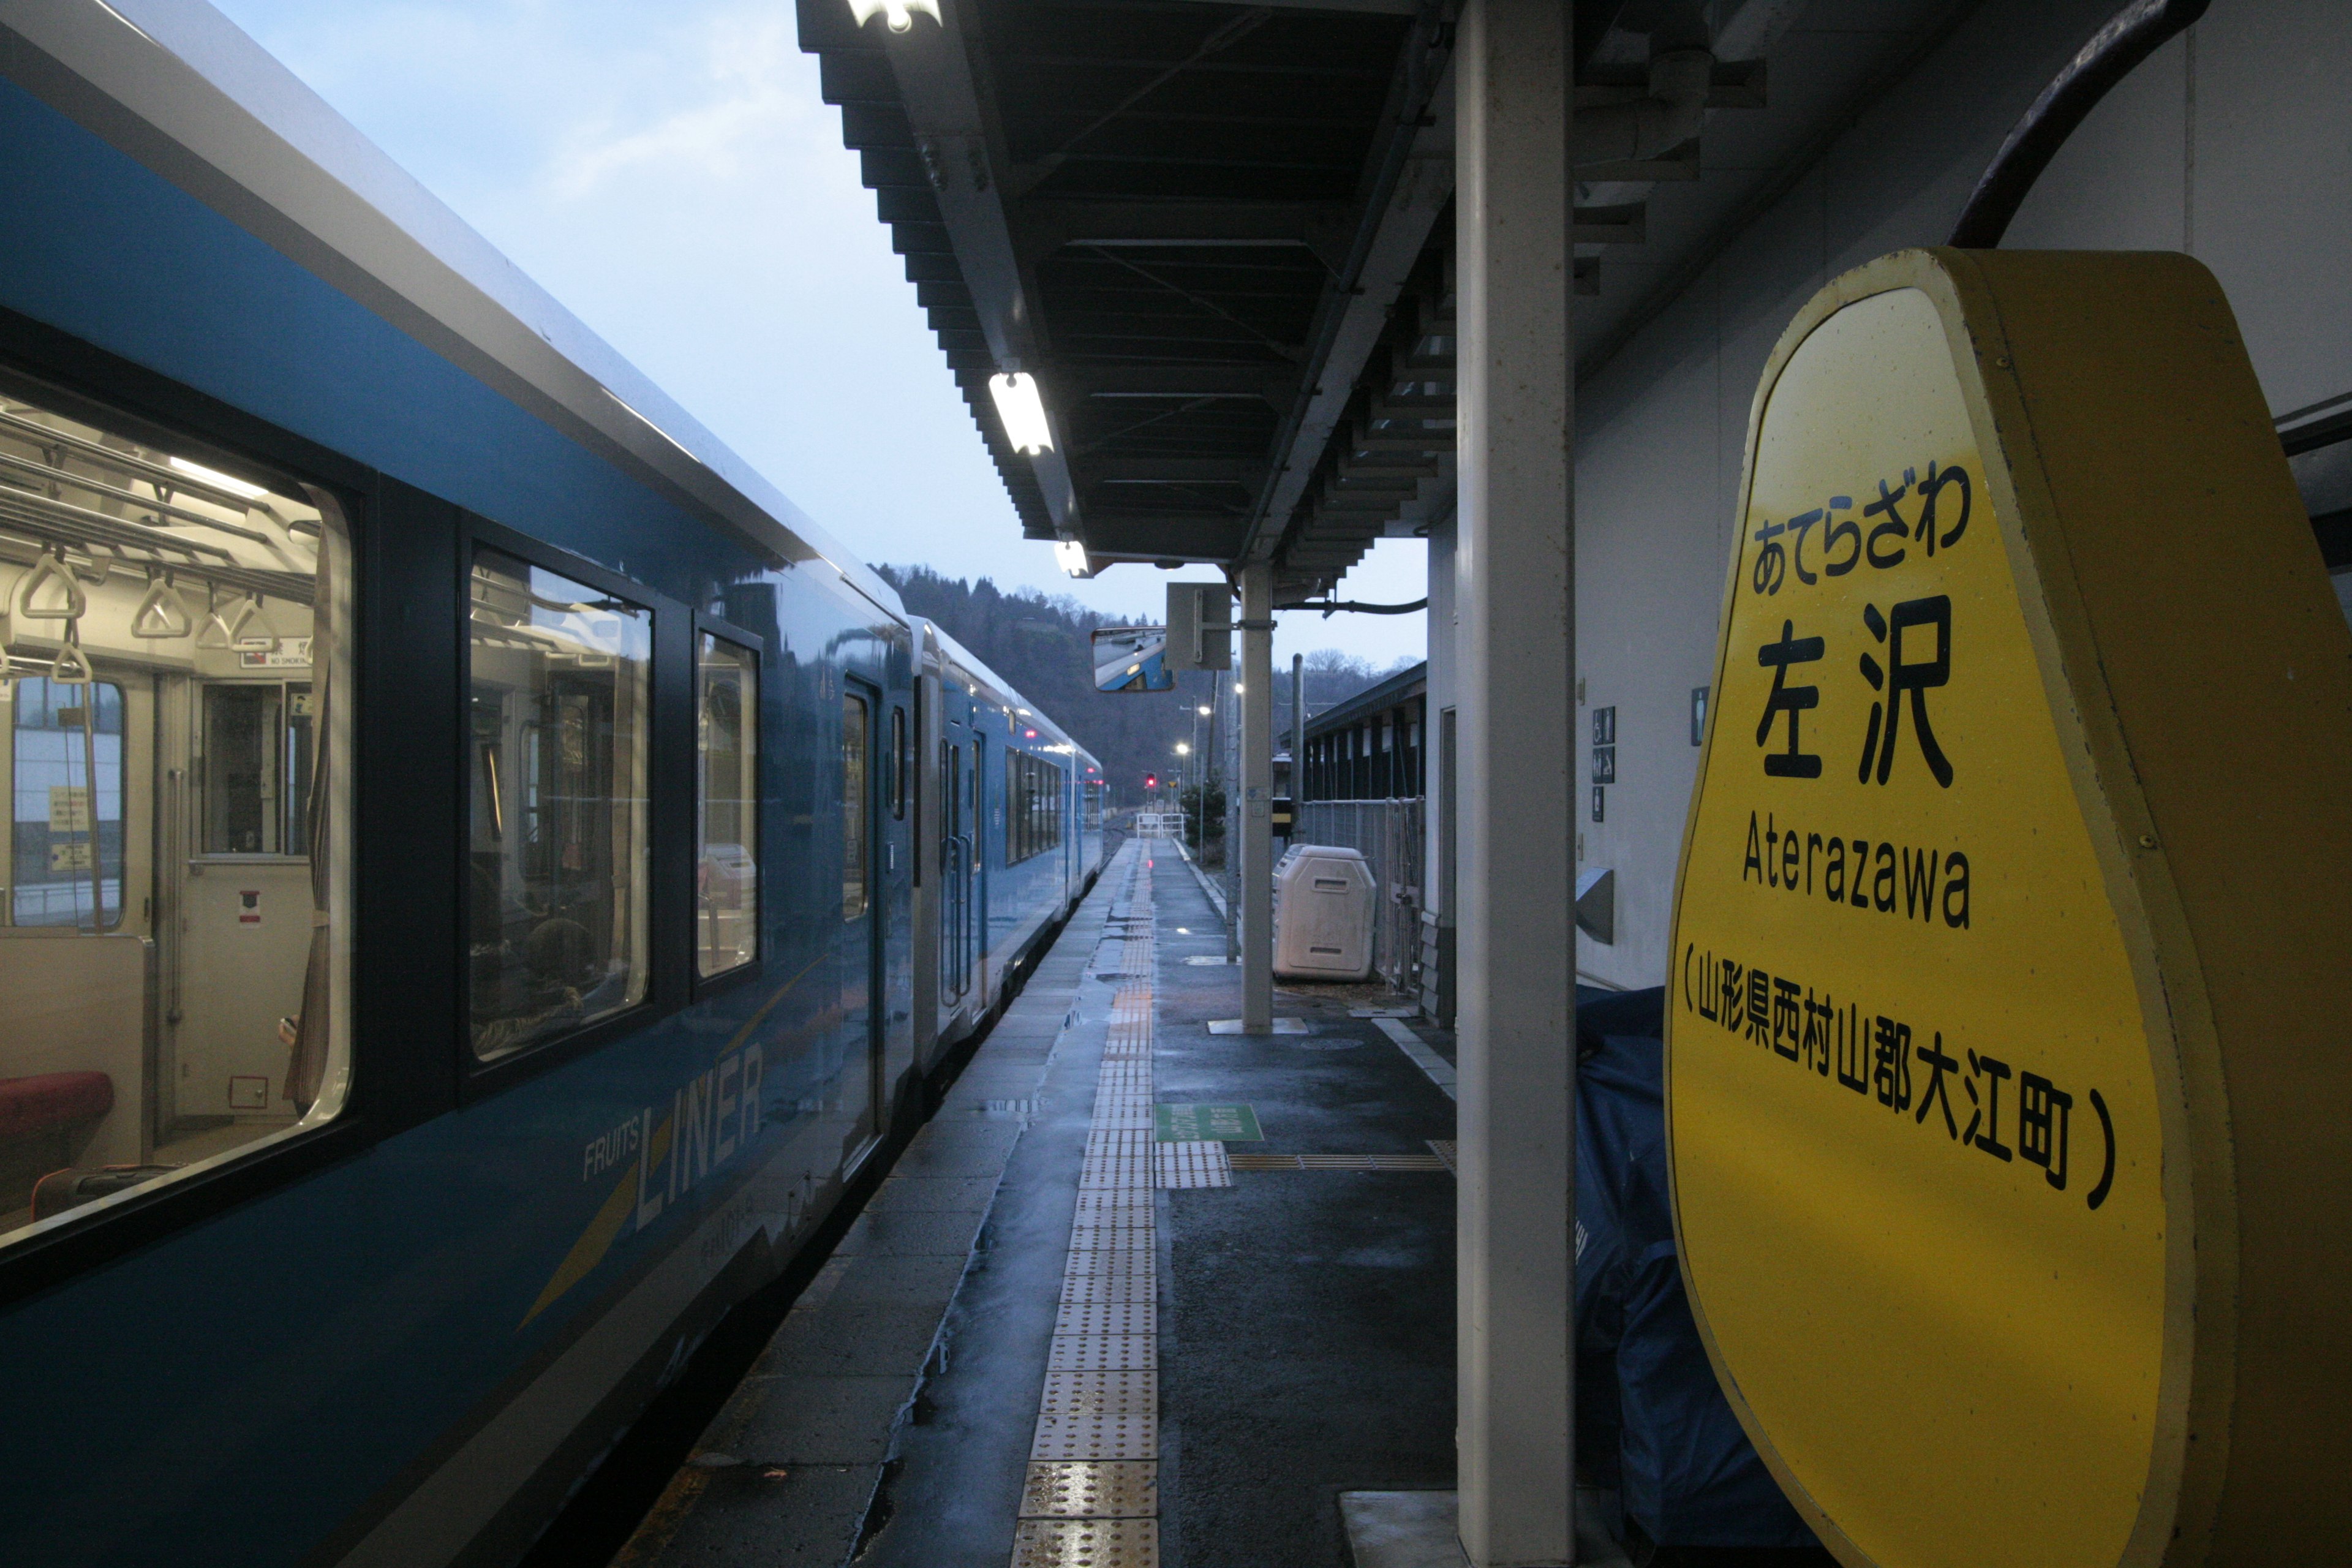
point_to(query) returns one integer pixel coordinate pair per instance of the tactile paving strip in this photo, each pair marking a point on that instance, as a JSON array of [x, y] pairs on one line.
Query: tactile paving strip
[[1092, 1499], [1091, 1488], [1120, 1391], [1125, 1318], [1337, 1163], [1099, 1353], [1138, 1286], [1087, 1544], [1095, 1435], [1191, 1165]]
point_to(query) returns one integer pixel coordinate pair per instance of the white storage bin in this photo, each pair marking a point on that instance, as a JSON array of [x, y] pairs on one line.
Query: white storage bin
[[1323, 914]]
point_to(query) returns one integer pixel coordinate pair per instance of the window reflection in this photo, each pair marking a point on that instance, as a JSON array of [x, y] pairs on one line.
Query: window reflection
[[727, 868], [559, 675], [855, 721]]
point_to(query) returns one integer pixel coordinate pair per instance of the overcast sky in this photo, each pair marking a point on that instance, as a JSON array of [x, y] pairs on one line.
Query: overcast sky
[[670, 174]]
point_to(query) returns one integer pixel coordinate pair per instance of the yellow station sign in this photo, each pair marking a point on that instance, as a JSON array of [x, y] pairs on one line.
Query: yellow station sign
[[2009, 1019]]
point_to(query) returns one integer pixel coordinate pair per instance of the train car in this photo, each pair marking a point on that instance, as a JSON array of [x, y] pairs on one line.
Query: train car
[[1013, 835], [459, 935]]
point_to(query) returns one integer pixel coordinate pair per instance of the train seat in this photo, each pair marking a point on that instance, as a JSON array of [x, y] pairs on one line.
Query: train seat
[[29, 1105], [45, 1120]]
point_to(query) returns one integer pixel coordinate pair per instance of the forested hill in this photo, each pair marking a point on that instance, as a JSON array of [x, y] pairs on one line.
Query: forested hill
[[1041, 645]]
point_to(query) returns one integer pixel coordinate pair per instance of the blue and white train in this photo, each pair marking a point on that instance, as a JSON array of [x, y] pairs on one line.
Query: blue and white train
[[485, 870]]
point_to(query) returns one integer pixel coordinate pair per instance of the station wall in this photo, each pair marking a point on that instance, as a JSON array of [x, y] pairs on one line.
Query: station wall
[[2233, 142]]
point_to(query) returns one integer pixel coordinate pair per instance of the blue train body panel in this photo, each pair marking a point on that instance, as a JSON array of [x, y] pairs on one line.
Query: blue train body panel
[[316, 1370]]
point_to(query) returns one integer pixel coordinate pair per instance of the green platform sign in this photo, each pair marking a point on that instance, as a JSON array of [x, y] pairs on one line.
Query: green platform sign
[[1207, 1124]]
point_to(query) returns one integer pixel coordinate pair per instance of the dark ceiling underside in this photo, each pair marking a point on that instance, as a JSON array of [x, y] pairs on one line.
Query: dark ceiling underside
[[1220, 237], [1186, 186]]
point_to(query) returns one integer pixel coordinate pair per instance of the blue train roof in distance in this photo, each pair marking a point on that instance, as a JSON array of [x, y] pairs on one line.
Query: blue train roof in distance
[[998, 689], [181, 87]]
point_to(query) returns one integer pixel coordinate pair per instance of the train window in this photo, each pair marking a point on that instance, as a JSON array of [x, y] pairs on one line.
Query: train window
[[254, 766], [65, 865], [558, 872], [902, 763], [173, 938], [1032, 818], [726, 865], [854, 719]]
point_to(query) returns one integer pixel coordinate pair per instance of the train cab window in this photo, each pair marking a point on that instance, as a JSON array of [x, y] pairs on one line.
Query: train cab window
[[855, 722], [174, 935], [727, 851], [558, 858]]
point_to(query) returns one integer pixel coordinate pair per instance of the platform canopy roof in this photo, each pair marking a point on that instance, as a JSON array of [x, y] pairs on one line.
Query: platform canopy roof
[[1218, 236]]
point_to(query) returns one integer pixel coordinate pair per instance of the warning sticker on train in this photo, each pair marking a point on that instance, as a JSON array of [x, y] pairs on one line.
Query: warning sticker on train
[[1979, 997]]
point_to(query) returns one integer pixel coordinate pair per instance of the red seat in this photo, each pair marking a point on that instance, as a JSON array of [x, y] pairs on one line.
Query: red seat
[[53, 1100]]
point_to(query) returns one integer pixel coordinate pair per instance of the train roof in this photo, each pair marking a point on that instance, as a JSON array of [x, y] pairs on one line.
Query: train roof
[[178, 86], [1003, 690]]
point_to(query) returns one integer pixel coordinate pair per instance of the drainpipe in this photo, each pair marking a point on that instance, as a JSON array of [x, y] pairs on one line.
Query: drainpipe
[[1647, 127]]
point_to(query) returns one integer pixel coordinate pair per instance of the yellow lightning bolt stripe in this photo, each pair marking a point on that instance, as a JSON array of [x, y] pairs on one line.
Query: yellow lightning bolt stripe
[[593, 1243], [605, 1228]]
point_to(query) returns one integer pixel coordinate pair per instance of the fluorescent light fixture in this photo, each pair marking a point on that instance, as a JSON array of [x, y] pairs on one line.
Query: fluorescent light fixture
[[898, 14], [218, 481], [1023, 410], [1070, 556]]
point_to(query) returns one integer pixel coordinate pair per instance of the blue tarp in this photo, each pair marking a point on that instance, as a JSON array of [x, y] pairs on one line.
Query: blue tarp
[[1651, 1420]]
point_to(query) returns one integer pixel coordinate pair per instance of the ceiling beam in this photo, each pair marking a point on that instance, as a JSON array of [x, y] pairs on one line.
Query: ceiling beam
[[1174, 470], [1363, 7], [1048, 226], [1412, 184], [1071, 383]]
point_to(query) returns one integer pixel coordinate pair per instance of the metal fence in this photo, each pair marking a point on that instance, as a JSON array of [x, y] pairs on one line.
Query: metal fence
[[1388, 835]]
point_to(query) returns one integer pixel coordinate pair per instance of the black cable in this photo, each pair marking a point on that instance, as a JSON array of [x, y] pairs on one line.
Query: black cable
[[2115, 51], [1333, 607]]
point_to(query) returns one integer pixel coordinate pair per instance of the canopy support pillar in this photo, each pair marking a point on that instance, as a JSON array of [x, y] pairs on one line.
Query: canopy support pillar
[[1257, 799], [1516, 936]]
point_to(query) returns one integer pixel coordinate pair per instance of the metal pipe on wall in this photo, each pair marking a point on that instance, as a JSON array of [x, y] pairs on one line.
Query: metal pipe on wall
[[1298, 733]]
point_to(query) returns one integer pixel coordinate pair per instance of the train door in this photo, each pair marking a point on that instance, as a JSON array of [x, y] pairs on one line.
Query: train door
[[955, 872], [861, 831], [976, 927]]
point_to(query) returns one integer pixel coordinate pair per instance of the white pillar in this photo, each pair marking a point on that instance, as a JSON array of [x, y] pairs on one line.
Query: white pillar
[[1257, 800], [1515, 877]]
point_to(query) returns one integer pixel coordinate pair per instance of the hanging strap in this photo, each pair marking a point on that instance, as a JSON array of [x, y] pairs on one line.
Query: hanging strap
[[161, 614], [46, 570]]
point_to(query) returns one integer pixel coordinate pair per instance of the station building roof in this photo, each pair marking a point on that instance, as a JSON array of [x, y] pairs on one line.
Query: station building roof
[[1397, 690]]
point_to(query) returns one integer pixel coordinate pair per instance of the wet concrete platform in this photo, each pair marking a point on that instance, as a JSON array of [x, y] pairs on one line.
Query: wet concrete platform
[[1261, 1347]]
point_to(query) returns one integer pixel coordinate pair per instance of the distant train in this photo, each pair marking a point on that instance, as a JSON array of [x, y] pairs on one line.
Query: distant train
[[484, 873]]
